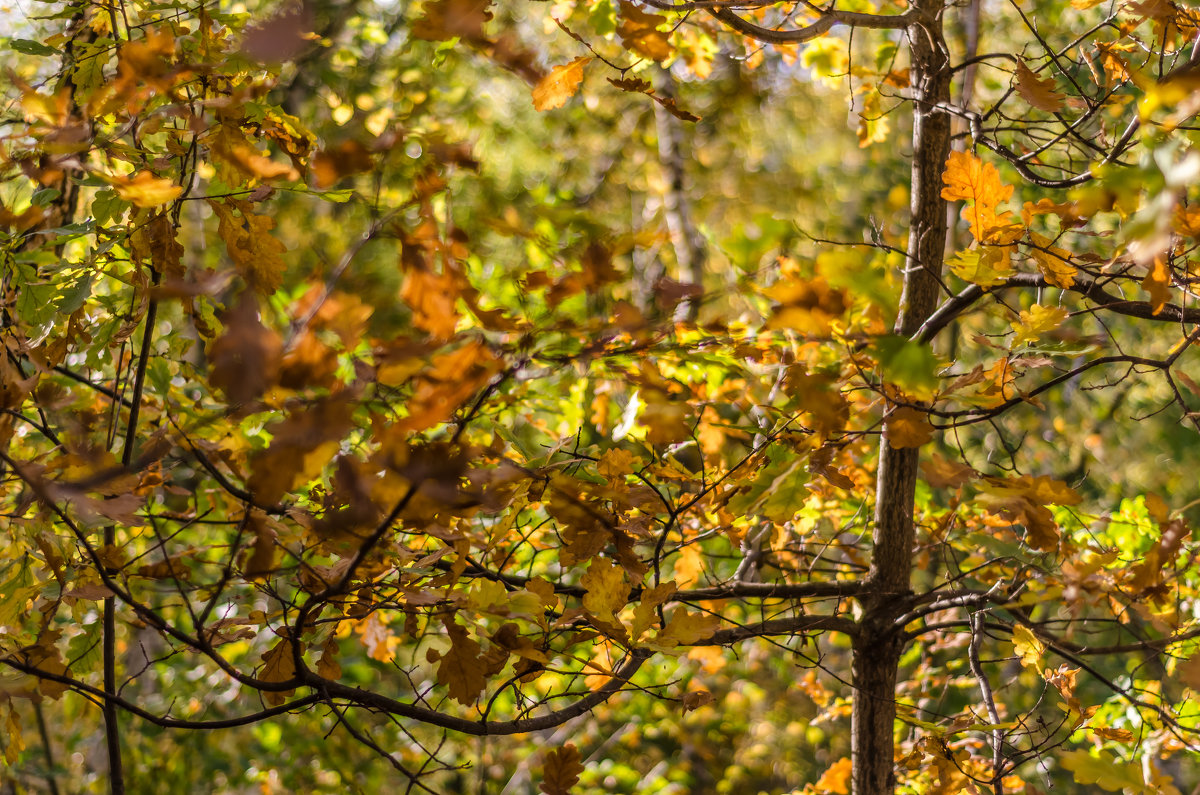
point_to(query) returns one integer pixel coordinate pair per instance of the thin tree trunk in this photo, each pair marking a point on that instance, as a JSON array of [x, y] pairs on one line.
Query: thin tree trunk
[[879, 644], [686, 240]]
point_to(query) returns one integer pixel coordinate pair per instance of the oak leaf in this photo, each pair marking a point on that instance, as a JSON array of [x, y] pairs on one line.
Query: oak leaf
[[1107, 772], [695, 699], [256, 253], [145, 190], [639, 32], [1038, 92], [986, 266], [432, 297], [1053, 262], [908, 427], [1036, 321], [561, 771], [244, 361], [1158, 283], [836, 779], [685, 627], [553, 90], [1027, 646], [461, 668], [606, 589], [970, 179], [279, 665]]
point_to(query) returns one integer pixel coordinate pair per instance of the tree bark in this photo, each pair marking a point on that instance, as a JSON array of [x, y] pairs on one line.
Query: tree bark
[[878, 647]]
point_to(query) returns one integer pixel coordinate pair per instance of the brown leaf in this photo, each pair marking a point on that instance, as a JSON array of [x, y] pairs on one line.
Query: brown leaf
[[639, 32], [262, 557], [561, 772], [695, 699], [461, 668], [244, 361], [280, 37], [1036, 91], [449, 19], [279, 665], [331, 164]]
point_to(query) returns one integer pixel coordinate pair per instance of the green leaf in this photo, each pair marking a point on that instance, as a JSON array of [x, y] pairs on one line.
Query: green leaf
[[31, 47], [907, 364]]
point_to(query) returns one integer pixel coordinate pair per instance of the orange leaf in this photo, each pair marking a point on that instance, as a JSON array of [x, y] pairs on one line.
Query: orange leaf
[[908, 427], [968, 178], [1158, 283], [432, 297], [256, 253], [553, 90], [835, 780]]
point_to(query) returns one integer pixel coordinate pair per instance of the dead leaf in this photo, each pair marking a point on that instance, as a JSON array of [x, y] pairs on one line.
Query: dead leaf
[[561, 771], [1038, 92]]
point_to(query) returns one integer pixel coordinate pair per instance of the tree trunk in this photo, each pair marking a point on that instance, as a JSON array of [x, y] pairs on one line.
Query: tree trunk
[[878, 647]]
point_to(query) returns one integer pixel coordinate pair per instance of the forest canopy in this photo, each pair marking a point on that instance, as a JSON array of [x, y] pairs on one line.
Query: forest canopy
[[663, 396]]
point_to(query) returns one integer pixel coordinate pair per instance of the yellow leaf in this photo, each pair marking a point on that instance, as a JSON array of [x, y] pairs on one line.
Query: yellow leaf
[[1036, 321], [607, 589], [685, 628], [828, 58], [553, 90], [908, 427], [646, 612], [1027, 646], [1106, 771], [146, 190], [873, 125], [1038, 92], [1054, 263], [986, 266]]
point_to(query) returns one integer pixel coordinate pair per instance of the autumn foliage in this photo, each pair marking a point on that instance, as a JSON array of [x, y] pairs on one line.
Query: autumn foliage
[[500, 397]]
